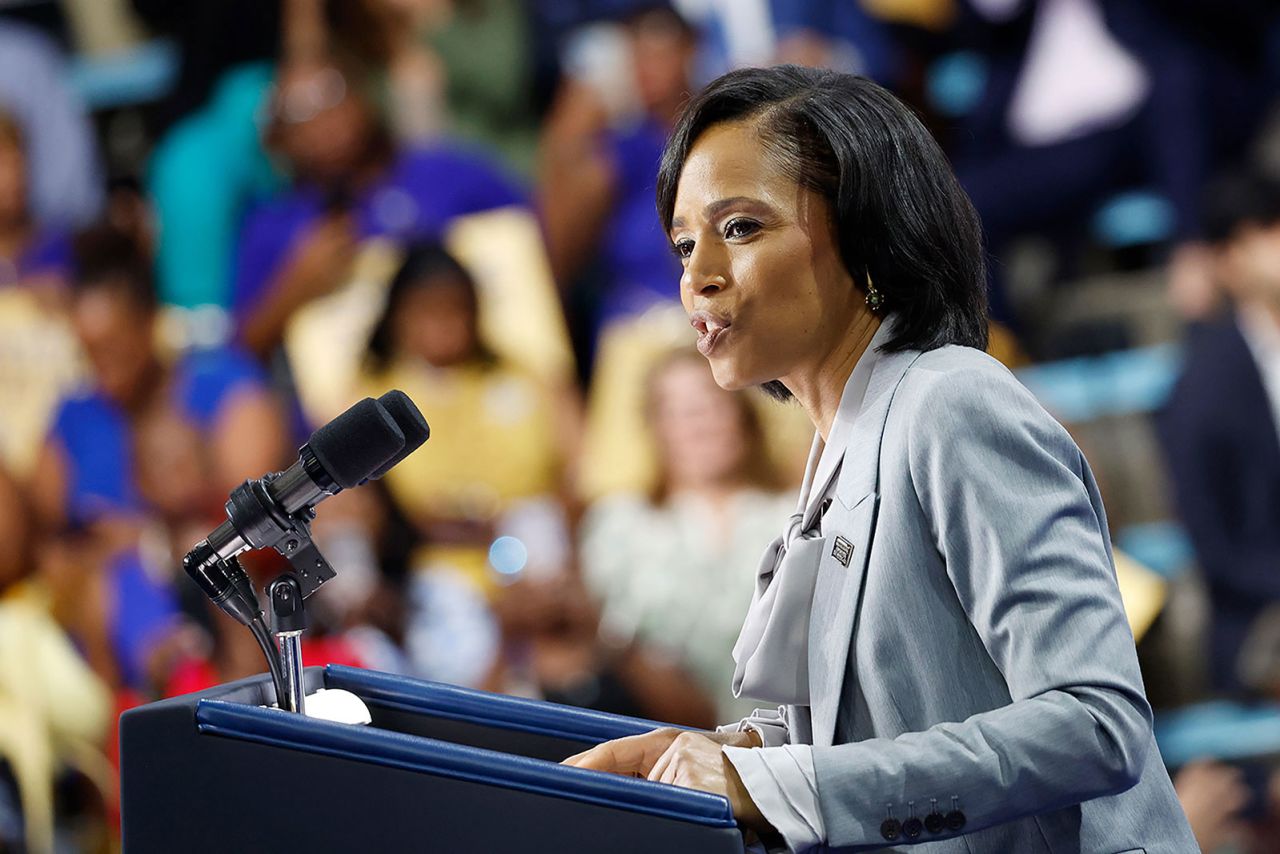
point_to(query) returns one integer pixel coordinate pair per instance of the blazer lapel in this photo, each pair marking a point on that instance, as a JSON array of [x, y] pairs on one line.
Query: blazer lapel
[[848, 529]]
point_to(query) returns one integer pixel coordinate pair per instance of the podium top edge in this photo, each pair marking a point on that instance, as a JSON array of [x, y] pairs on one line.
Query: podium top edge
[[370, 745]]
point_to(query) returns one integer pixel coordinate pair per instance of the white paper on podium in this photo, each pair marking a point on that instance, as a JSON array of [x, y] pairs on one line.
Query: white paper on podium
[[334, 704]]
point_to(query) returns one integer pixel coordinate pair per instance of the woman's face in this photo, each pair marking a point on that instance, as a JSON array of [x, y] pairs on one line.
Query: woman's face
[[763, 280], [436, 323], [322, 127], [661, 52], [117, 337], [1250, 263], [171, 466], [699, 426]]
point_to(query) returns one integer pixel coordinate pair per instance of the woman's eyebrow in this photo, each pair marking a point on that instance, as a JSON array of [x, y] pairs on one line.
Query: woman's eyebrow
[[714, 209], [717, 207]]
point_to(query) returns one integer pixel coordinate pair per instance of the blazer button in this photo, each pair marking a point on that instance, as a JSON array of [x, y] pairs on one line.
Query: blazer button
[[911, 828], [891, 829], [955, 820], [934, 822]]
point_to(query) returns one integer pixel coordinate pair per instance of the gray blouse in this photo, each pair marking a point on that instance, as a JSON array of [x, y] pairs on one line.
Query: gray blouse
[[771, 655]]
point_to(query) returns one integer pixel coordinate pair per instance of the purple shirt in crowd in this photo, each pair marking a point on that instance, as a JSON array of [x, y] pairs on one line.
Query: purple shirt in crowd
[[414, 200], [637, 255]]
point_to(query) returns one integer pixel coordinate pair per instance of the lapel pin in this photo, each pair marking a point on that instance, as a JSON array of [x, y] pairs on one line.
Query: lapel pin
[[842, 551]]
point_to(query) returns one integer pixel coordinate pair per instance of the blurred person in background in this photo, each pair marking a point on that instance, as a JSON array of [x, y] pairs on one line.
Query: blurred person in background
[[1234, 70], [1213, 796], [1221, 426], [84, 476], [1080, 100], [497, 461], [350, 181], [38, 354], [600, 150], [145, 591], [209, 164], [463, 68], [494, 427], [837, 35], [66, 183], [54, 711], [671, 570]]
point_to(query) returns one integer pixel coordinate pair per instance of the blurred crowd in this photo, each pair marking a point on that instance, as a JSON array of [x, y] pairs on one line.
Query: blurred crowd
[[224, 221]]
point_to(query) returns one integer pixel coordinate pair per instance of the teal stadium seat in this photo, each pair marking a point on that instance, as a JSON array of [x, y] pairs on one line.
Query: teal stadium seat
[[1219, 730], [1134, 218]]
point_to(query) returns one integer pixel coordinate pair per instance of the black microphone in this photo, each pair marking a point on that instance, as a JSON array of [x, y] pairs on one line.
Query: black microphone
[[411, 424], [341, 454], [274, 510]]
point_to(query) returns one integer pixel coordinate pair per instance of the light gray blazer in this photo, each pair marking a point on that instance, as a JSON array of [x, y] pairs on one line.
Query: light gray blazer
[[975, 646]]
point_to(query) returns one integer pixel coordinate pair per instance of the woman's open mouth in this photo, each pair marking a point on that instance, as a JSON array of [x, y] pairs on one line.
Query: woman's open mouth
[[711, 328]]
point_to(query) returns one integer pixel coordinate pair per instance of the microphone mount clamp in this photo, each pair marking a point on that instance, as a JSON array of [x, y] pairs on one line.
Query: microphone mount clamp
[[261, 524]]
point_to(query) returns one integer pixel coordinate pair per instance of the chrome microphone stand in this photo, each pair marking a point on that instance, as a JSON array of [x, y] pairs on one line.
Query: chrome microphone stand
[[289, 620]]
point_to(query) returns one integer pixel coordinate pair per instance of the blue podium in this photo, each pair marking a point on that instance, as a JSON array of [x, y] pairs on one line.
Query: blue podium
[[441, 768]]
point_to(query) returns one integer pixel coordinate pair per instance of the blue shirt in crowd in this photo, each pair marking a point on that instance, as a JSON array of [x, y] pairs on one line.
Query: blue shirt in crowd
[[48, 254], [146, 607], [94, 432]]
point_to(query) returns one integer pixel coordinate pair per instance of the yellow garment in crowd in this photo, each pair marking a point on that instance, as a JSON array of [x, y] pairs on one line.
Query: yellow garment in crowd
[[493, 442], [54, 711], [928, 14], [618, 453], [39, 361], [1143, 592], [520, 315]]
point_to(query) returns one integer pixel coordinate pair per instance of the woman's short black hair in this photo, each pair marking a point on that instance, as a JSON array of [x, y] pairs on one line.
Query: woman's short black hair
[[900, 216]]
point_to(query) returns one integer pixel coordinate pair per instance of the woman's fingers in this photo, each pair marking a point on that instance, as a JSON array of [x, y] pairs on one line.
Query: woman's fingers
[[573, 760], [615, 757], [634, 755], [664, 763]]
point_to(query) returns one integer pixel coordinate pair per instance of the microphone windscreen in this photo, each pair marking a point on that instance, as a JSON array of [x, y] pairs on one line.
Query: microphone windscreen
[[357, 443], [410, 421]]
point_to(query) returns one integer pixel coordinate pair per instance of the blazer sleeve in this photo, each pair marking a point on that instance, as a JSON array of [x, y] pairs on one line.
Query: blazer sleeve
[[1016, 518]]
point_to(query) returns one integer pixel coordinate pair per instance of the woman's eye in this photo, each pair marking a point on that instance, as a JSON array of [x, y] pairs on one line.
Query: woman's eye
[[740, 228], [682, 248]]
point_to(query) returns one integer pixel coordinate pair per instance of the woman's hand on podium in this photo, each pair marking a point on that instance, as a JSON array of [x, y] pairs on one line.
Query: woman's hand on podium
[[688, 758]]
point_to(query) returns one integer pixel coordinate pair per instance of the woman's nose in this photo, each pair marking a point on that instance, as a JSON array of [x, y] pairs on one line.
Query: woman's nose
[[704, 275]]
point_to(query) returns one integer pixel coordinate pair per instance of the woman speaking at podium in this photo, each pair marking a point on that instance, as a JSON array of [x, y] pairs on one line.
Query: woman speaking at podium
[[939, 626]]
